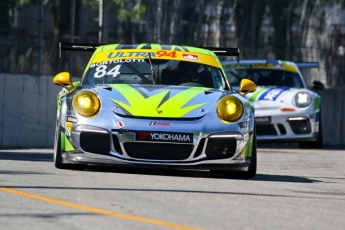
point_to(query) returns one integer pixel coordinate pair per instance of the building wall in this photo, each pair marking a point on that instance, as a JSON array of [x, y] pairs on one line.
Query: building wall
[[28, 112]]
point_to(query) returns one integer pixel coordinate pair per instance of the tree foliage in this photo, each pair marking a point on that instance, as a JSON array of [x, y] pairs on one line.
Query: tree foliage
[[275, 29]]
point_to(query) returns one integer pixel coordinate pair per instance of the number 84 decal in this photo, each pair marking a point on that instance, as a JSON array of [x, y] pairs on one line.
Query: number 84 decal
[[101, 71]]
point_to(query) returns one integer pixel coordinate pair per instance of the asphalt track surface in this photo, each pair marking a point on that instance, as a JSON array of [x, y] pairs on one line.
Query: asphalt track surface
[[293, 189]]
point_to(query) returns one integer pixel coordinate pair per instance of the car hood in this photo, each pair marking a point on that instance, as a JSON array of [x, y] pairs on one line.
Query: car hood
[[158, 101]]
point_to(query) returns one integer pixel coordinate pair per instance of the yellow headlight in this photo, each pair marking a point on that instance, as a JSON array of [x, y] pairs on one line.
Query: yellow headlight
[[86, 103], [230, 109]]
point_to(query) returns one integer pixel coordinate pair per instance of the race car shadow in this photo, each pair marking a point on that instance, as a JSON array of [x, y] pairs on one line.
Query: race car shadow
[[200, 174]]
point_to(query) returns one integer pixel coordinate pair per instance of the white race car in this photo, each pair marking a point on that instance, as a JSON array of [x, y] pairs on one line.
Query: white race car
[[285, 109]]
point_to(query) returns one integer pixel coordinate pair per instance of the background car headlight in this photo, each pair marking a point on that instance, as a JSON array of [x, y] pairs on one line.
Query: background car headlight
[[302, 99], [86, 103], [230, 109]]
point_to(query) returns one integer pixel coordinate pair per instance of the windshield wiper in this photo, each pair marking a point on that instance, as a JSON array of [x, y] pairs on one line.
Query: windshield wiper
[[153, 73]]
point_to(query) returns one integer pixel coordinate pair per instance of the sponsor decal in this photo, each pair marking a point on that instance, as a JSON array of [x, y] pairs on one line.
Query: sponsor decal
[[164, 137], [272, 94], [193, 57], [159, 123], [266, 119], [115, 61], [69, 126], [102, 70], [140, 54], [120, 124], [238, 66], [243, 124], [72, 119], [280, 66], [258, 65]]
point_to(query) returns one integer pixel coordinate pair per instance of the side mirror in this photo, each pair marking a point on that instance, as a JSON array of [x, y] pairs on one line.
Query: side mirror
[[318, 85], [246, 86], [63, 79]]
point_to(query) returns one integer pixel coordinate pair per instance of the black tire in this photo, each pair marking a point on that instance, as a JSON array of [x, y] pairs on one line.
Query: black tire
[[318, 144], [58, 154], [253, 162], [57, 147]]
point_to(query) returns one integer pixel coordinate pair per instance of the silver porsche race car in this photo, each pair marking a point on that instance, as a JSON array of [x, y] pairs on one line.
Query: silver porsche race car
[[152, 105], [285, 109]]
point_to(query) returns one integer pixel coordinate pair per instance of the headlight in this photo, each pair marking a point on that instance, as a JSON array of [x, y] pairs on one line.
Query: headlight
[[86, 103], [230, 109], [302, 99]]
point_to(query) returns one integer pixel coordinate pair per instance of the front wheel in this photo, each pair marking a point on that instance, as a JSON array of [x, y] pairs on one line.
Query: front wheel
[[57, 147], [253, 162], [58, 162]]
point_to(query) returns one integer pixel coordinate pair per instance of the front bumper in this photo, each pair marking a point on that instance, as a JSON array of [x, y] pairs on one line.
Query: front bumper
[[212, 151], [289, 127]]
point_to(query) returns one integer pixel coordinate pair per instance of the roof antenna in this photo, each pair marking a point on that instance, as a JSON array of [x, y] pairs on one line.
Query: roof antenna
[[153, 73]]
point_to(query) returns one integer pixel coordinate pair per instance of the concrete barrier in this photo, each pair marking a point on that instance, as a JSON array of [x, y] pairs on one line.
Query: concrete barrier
[[28, 112], [333, 117]]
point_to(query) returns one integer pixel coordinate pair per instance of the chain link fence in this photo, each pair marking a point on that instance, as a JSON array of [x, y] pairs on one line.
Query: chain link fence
[[263, 29]]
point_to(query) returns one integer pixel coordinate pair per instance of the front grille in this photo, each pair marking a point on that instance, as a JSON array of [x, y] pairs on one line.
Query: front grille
[[158, 151], [300, 126], [265, 129], [95, 142], [219, 148]]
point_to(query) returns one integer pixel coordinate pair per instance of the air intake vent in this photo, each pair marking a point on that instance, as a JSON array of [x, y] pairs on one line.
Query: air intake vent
[[158, 151], [95, 142]]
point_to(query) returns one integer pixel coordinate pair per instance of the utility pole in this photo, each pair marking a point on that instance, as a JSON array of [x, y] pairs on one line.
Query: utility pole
[[100, 21], [71, 36], [103, 34], [40, 35]]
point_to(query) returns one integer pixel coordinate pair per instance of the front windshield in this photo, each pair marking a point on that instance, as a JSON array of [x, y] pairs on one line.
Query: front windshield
[[166, 72], [265, 77]]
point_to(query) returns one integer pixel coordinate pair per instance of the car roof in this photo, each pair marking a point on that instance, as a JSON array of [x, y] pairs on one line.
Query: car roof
[[261, 64]]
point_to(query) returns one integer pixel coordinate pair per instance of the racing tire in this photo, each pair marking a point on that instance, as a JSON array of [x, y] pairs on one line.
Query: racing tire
[[58, 154], [318, 144], [57, 148], [250, 173]]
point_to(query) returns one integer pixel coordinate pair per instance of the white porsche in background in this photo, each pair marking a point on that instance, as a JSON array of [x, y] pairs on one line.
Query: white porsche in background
[[285, 109]]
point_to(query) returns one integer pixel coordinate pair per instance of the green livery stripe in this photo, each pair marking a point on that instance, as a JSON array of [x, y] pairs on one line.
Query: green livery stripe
[[140, 46], [199, 50], [63, 93], [110, 47], [62, 141], [156, 47], [249, 148], [256, 94], [65, 144], [148, 106], [317, 103]]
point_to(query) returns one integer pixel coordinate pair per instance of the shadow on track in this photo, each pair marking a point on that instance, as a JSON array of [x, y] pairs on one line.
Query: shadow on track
[[48, 156], [197, 174]]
